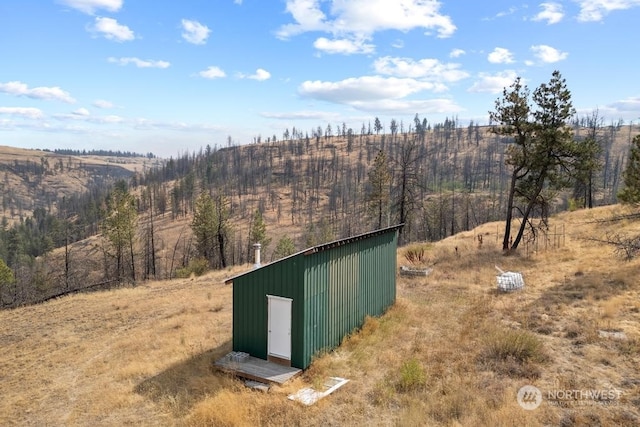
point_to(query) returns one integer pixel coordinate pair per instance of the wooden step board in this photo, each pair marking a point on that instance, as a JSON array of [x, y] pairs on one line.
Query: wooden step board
[[257, 369]]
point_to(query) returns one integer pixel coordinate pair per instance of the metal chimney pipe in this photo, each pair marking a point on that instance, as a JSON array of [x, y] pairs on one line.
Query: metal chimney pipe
[[256, 247]]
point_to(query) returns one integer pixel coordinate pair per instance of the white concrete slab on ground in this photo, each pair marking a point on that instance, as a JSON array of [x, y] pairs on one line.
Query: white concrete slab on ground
[[309, 396]]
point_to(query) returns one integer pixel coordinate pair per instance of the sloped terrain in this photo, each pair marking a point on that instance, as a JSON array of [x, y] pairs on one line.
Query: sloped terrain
[[309, 189], [450, 351]]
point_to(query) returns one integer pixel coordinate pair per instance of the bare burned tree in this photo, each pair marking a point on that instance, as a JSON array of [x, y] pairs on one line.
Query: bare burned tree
[[628, 247]]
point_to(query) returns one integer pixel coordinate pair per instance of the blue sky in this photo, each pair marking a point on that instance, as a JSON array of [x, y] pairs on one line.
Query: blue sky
[[173, 76]]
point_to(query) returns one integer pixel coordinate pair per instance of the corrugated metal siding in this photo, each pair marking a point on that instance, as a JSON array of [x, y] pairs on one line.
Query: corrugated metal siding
[[250, 292], [345, 284], [333, 290], [315, 305]]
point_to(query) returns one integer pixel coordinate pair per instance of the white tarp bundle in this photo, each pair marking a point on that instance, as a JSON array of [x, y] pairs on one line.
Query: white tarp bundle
[[509, 281]]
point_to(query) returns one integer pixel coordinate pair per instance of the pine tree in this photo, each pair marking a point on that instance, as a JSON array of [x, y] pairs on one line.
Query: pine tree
[[284, 248], [377, 126], [120, 228], [631, 193], [203, 226], [544, 155], [6, 279], [258, 233]]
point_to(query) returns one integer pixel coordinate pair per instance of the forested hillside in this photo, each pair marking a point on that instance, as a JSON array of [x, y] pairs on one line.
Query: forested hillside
[[287, 192]]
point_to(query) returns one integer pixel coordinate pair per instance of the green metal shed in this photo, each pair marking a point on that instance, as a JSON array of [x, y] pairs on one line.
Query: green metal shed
[[289, 310]]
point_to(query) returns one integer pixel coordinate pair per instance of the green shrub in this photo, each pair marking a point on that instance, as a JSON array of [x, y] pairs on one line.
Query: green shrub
[[574, 204], [197, 267], [412, 376]]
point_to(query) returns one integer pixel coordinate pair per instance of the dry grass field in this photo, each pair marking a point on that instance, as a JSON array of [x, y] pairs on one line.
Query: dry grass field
[[451, 351]]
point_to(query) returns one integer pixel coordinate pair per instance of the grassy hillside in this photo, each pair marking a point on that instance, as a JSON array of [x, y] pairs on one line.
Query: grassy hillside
[[33, 179], [451, 350]]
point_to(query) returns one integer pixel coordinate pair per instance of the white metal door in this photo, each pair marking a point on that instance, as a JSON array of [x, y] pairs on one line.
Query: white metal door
[[279, 323]]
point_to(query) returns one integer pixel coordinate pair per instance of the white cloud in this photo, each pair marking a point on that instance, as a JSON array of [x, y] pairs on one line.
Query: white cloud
[[46, 93], [393, 106], [147, 124], [90, 6], [629, 104], [260, 75], [237, 1], [493, 83], [398, 44], [548, 54], [500, 55], [356, 90], [212, 72], [110, 119], [373, 94], [343, 46], [507, 12], [194, 32], [430, 69], [140, 63], [359, 19], [83, 115], [101, 103], [301, 115], [26, 112], [456, 53], [595, 10], [112, 30], [81, 112], [308, 17], [108, 127], [551, 12], [368, 16]]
